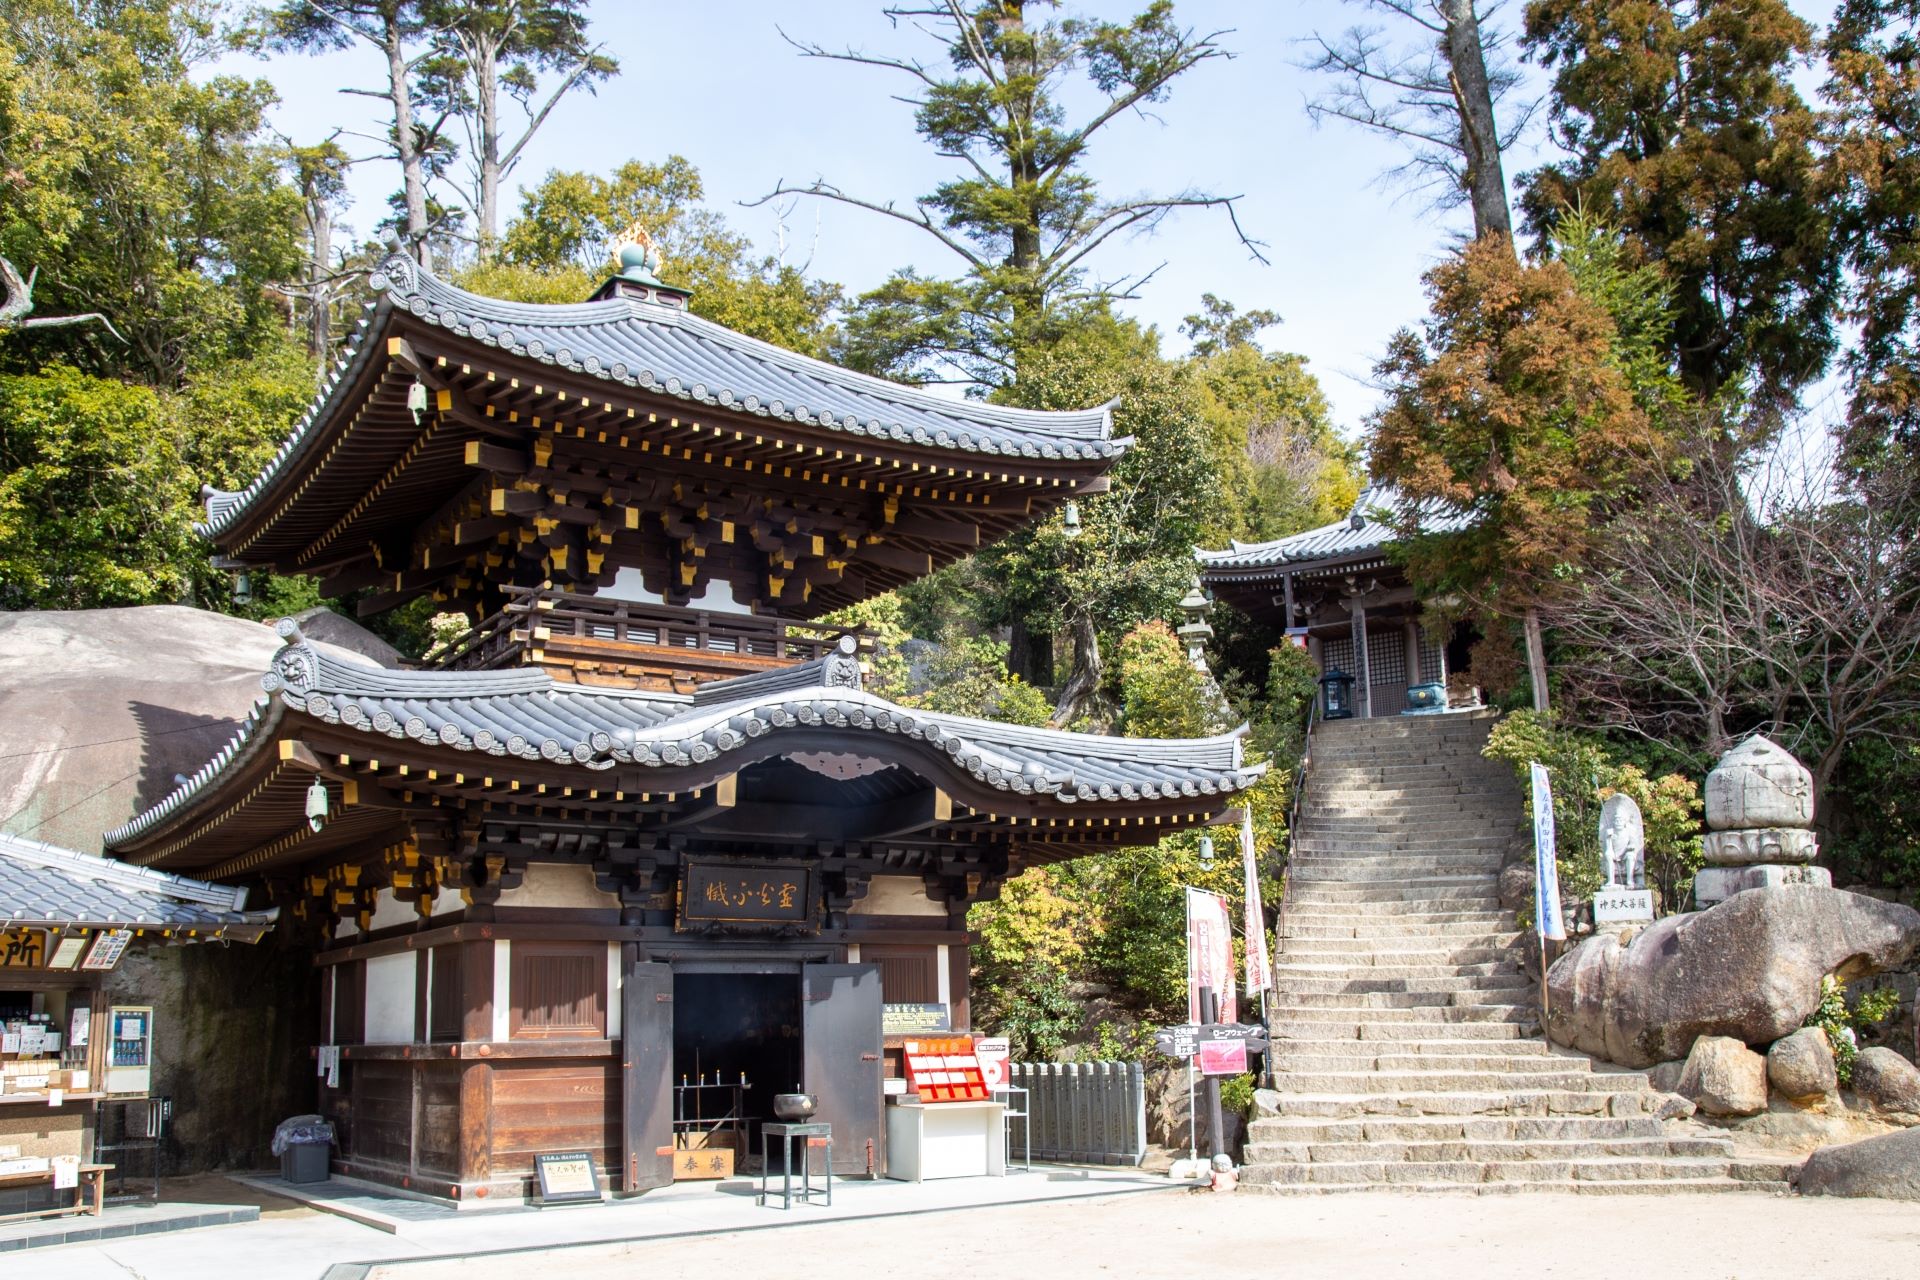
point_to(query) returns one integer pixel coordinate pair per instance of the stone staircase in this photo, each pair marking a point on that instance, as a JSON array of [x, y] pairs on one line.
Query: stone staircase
[[1406, 1045]]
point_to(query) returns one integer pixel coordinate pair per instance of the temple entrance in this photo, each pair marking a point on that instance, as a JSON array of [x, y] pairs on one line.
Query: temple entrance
[[735, 1035]]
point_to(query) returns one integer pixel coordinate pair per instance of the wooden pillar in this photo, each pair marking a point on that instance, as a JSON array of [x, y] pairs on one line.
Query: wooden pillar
[[476, 1078], [1413, 654], [1286, 595], [1363, 676]]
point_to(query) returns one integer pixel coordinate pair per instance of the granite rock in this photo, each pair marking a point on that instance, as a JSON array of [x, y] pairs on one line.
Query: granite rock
[[1749, 968], [1725, 1078], [1887, 1166], [1887, 1082], [1800, 1067]]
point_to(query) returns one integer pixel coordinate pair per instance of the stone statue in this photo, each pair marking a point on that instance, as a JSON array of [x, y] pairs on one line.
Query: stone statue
[[1759, 819], [1623, 843]]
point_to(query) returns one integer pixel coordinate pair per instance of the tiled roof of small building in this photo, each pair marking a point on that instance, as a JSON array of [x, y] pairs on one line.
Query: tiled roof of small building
[[1363, 530], [44, 885], [667, 351], [524, 714]]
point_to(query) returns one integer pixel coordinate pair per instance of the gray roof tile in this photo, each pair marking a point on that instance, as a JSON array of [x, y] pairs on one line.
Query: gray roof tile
[[524, 714], [42, 884], [1363, 530]]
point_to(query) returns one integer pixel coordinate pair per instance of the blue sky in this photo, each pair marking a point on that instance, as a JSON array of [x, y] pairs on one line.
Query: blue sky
[[717, 83]]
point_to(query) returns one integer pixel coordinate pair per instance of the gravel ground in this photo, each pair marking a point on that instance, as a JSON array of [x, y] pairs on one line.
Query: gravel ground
[[1174, 1234]]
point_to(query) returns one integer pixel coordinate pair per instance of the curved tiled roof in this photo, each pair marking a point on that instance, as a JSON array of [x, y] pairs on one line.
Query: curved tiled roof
[[45, 884], [525, 714], [667, 351], [1363, 530]]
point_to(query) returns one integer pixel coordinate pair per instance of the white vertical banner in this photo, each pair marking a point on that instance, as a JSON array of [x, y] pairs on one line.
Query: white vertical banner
[[1547, 920], [1209, 953], [1259, 970]]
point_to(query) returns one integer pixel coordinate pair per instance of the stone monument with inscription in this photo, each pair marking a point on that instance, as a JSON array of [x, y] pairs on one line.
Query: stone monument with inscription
[[1759, 819], [1625, 898]]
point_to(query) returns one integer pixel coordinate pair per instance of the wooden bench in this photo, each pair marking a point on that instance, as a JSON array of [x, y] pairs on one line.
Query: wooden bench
[[92, 1176]]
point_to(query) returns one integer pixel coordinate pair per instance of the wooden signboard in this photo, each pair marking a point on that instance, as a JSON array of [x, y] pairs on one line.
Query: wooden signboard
[[566, 1177], [726, 893], [23, 948]]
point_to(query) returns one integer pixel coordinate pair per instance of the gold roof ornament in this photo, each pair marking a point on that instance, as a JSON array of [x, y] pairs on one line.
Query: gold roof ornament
[[638, 253]]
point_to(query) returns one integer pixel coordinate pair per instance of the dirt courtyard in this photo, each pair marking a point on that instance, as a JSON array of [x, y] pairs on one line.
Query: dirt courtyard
[[1174, 1234]]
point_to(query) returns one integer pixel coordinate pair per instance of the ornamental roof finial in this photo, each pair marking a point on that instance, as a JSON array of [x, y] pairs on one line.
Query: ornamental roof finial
[[638, 256]]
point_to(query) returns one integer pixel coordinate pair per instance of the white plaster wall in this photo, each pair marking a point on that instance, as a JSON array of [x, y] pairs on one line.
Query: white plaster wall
[[613, 991], [390, 998], [897, 896], [502, 986], [389, 911], [558, 884], [446, 901], [718, 597]]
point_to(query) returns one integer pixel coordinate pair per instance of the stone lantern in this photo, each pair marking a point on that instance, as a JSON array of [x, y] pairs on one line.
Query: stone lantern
[[1194, 631], [1759, 819]]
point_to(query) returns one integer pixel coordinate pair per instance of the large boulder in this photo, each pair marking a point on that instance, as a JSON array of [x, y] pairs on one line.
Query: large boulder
[[1887, 1082], [1749, 968], [1800, 1067], [1887, 1166], [1725, 1078], [101, 708]]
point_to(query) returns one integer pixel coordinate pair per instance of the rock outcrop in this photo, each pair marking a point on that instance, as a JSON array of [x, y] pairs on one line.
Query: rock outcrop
[[1725, 1078], [1800, 1067], [1888, 1083], [1749, 968], [1887, 1166]]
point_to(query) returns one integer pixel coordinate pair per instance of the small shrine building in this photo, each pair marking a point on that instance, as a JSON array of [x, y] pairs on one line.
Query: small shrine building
[[644, 825]]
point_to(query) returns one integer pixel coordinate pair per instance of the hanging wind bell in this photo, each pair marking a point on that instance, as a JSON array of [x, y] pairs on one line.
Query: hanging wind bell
[[417, 400]]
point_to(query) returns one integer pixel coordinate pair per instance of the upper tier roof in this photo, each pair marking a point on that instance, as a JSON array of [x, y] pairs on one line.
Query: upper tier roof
[[664, 351], [1362, 531], [44, 885]]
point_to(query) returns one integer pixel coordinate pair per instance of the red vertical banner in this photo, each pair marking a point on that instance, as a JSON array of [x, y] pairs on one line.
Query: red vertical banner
[[1259, 968], [1209, 953]]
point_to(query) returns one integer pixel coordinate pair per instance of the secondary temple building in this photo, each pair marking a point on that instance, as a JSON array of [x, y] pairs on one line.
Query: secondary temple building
[[643, 827], [1336, 591]]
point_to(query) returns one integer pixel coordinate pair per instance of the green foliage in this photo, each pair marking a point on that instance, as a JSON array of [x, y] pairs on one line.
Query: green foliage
[[1585, 770], [136, 186], [1119, 1042], [1034, 1008], [1162, 696], [1686, 132], [562, 245], [1843, 1025], [1279, 724], [1640, 300], [1236, 1094], [968, 676], [95, 503]]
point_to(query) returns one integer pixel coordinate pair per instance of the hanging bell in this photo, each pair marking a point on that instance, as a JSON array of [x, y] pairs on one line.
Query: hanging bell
[[317, 804], [1070, 519], [417, 400]]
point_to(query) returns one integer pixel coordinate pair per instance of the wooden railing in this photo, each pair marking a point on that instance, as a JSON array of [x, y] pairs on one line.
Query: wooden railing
[[539, 617]]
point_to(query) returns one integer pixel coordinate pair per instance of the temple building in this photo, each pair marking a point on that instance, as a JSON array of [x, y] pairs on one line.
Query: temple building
[[643, 828], [1336, 591]]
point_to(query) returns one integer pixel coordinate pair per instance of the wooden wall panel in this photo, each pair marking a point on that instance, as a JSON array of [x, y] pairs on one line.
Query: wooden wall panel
[[538, 1107], [382, 1112], [439, 1143], [559, 990]]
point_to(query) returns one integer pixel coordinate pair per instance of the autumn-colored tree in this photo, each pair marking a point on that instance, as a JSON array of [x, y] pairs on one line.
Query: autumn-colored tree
[[1510, 408], [1685, 131], [1873, 61]]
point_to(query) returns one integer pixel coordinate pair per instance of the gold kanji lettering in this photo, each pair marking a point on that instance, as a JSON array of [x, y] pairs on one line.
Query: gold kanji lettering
[[716, 892], [786, 897]]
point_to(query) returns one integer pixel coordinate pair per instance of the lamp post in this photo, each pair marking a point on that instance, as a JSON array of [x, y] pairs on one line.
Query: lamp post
[[1336, 695]]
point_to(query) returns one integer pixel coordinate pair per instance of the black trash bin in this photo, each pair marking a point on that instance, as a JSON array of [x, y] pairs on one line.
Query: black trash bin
[[305, 1147]]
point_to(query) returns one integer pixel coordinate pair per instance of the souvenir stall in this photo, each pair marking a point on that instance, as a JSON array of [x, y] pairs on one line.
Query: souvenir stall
[[68, 1050]]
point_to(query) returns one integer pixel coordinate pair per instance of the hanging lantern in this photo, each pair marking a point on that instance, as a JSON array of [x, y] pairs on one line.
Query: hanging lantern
[[1336, 695], [417, 400], [1070, 519], [1206, 851], [317, 804], [242, 589]]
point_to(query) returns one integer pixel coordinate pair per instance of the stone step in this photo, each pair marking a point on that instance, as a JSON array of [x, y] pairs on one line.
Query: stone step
[[1562, 1078], [1298, 1057], [1595, 1169], [1435, 872], [1403, 950], [1610, 1187], [1297, 1129], [1451, 933], [1512, 987], [1545, 1151], [1394, 915], [1392, 1007], [1314, 1030], [1504, 1100], [1471, 889], [1327, 967], [1407, 1044]]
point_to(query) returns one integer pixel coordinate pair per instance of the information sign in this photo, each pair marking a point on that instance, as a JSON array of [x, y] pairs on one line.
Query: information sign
[[722, 892], [1223, 1057], [1177, 1042], [107, 949], [993, 1053], [566, 1177], [22, 948], [915, 1019]]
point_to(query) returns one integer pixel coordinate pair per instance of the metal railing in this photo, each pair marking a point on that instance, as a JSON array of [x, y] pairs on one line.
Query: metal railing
[[1085, 1112], [500, 639]]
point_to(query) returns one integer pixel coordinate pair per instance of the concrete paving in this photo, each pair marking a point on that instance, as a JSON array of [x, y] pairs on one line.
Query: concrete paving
[[303, 1244]]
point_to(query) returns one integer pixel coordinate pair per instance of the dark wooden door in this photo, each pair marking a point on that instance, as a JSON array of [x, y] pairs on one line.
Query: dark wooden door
[[646, 1074], [840, 1028]]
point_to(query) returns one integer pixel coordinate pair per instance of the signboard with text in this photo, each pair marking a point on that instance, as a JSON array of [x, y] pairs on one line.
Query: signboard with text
[[723, 893], [1222, 1057], [915, 1019], [566, 1177], [1209, 953]]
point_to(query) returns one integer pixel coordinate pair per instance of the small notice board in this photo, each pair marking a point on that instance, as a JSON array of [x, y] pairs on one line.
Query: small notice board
[[566, 1177]]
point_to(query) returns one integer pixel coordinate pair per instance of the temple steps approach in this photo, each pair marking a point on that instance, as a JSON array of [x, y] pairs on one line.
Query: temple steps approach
[[1406, 1048]]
